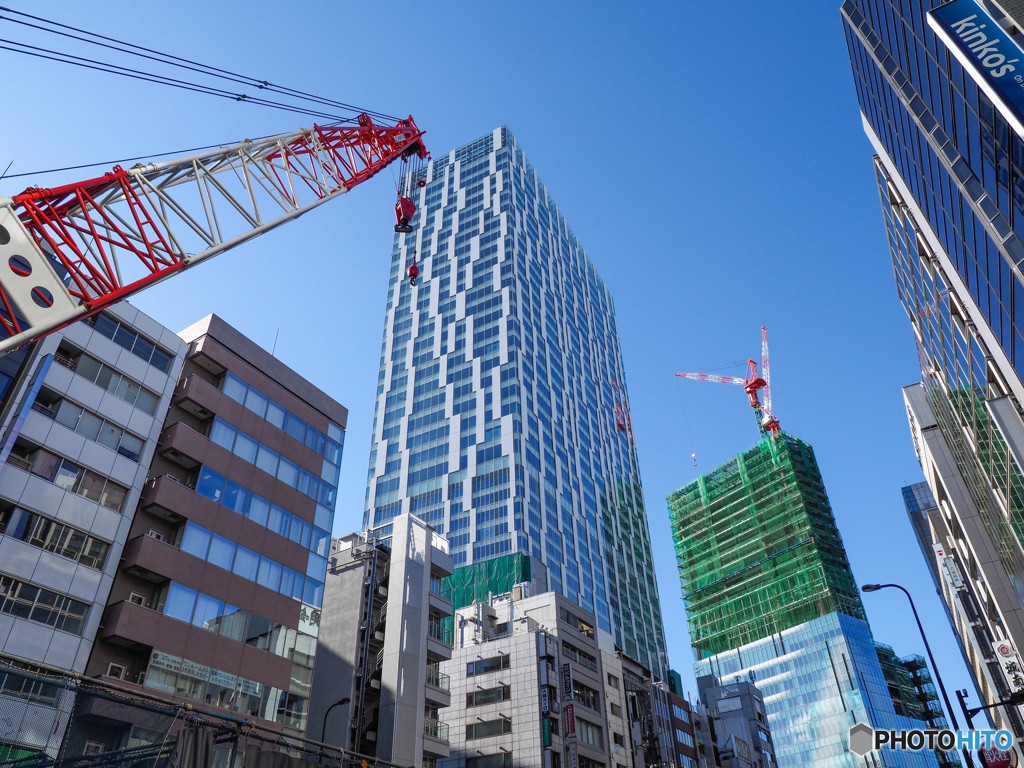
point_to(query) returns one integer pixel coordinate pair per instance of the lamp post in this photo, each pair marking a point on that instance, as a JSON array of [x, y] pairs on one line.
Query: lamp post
[[323, 728], [931, 659]]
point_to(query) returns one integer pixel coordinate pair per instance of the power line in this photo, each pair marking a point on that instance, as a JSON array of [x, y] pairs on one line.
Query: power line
[[159, 57], [184, 63], [116, 69]]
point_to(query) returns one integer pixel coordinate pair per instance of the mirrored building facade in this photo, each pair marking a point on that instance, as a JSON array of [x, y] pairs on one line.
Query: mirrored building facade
[[502, 416], [939, 92]]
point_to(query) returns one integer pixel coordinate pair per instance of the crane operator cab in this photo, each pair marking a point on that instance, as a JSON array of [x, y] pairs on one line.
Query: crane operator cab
[[405, 209]]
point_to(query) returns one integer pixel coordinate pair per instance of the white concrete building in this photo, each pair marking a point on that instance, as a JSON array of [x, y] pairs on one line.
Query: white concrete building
[[378, 687], [80, 422]]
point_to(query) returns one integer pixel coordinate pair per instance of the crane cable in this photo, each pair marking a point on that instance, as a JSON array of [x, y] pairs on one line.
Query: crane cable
[[184, 63], [171, 60]]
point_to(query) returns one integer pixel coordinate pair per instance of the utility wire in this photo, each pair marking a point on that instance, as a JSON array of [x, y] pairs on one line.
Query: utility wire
[[170, 60], [101, 66], [119, 162], [183, 63]]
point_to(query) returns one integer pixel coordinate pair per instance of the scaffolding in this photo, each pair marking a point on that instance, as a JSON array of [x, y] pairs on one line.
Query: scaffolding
[[478, 582], [758, 549]]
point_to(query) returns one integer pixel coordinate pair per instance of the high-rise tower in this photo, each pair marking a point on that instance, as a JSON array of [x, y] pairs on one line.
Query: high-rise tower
[[941, 103], [769, 595], [501, 413]]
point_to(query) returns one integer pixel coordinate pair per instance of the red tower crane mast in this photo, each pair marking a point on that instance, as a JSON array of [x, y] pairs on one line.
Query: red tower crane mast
[[752, 384], [67, 252]]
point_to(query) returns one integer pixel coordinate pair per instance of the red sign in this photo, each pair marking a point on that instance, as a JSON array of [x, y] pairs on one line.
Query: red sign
[[996, 758], [570, 720]]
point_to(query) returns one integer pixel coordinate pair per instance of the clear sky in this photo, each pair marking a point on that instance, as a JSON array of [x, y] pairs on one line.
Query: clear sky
[[711, 163]]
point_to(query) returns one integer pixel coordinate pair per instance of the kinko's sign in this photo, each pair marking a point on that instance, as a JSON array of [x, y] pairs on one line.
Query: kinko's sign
[[989, 55]]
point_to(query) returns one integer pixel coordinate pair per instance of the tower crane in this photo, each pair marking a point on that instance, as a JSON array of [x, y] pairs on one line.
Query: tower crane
[[752, 384], [67, 252]]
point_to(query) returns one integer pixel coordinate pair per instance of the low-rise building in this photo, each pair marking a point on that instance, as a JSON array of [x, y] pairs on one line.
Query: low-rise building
[[82, 411], [379, 687]]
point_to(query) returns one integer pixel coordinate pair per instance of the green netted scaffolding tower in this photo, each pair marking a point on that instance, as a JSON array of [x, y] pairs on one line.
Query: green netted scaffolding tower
[[758, 549]]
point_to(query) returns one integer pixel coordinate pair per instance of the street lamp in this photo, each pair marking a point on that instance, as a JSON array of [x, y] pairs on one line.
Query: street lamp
[[323, 728], [931, 659]]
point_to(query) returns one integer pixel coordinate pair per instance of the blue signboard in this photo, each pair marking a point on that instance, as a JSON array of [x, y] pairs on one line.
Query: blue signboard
[[993, 59]]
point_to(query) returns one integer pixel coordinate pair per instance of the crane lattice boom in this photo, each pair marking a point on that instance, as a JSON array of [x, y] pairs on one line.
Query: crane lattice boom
[[67, 252]]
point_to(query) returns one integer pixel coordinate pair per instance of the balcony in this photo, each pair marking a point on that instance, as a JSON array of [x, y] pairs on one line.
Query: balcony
[[441, 634], [197, 396], [435, 730], [133, 626], [164, 495], [183, 445], [150, 559], [438, 679], [440, 596], [438, 689]]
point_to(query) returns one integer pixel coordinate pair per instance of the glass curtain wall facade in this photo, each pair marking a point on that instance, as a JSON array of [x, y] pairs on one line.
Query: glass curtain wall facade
[[500, 382], [770, 596], [945, 125], [819, 678]]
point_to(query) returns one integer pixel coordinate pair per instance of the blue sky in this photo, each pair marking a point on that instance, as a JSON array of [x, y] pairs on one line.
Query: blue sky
[[713, 165]]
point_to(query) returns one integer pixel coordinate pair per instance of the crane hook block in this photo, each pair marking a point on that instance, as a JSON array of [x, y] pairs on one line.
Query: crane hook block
[[405, 209]]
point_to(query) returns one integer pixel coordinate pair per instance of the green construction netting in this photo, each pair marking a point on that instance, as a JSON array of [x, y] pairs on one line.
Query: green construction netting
[[757, 547]]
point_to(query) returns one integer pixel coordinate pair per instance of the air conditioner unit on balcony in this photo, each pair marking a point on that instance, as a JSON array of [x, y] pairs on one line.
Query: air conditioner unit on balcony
[[155, 534], [116, 670]]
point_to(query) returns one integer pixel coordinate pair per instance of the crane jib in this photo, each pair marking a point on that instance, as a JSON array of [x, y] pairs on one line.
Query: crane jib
[[68, 251]]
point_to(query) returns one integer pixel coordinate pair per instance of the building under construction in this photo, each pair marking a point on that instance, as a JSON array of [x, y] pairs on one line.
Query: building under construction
[[770, 597]]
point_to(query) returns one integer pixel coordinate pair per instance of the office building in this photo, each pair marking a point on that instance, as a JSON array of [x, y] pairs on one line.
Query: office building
[[534, 681], [81, 415], [770, 598], [741, 728], [940, 102], [217, 599], [378, 686], [502, 415]]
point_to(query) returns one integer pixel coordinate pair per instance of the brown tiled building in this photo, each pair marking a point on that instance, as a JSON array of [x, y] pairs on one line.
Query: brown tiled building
[[217, 601]]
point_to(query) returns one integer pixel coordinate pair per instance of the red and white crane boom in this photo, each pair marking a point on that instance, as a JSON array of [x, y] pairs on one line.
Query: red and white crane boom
[[67, 252]]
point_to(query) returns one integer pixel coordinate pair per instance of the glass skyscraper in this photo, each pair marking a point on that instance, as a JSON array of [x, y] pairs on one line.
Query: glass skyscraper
[[770, 596], [502, 416], [939, 89]]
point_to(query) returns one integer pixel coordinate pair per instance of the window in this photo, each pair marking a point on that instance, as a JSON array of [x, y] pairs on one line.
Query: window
[[14, 684], [618, 739], [483, 666], [684, 738], [488, 696], [26, 601], [51, 536], [116, 383], [579, 656], [586, 762], [680, 714], [481, 730], [615, 709], [124, 336], [586, 696], [589, 733], [88, 424], [613, 681], [68, 475]]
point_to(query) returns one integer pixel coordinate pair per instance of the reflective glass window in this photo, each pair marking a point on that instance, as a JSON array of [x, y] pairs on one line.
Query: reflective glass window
[[180, 602]]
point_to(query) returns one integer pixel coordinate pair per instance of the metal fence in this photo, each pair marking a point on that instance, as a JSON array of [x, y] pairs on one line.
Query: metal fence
[[49, 719]]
